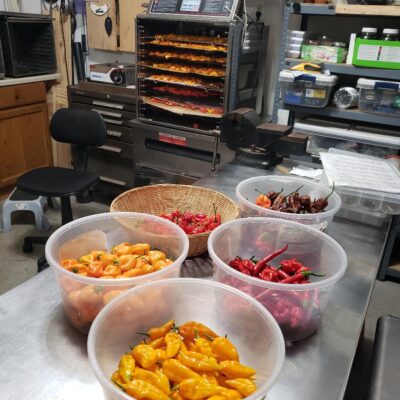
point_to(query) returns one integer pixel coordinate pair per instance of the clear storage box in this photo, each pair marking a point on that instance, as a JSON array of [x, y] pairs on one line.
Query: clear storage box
[[309, 90], [379, 97]]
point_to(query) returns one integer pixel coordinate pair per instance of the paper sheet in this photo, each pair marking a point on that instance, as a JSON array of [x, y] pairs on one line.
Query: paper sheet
[[307, 172], [361, 172]]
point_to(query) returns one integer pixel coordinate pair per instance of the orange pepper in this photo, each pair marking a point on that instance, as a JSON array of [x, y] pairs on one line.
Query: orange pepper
[[224, 349], [198, 361], [177, 372], [95, 269], [244, 386], [190, 330], [112, 270], [233, 370]]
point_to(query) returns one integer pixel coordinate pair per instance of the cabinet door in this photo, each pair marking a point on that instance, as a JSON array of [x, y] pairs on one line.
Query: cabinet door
[[97, 35], [24, 141], [128, 9]]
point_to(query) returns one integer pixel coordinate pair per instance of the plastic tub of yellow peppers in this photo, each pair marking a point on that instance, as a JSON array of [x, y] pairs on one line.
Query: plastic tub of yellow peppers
[[185, 339]]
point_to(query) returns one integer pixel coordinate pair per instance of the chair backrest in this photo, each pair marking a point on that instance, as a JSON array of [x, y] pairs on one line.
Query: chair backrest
[[78, 127]]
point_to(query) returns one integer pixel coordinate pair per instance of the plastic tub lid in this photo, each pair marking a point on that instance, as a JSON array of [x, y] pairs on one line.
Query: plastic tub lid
[[389, 31], [317, 79], [372, 84], [369, 30]]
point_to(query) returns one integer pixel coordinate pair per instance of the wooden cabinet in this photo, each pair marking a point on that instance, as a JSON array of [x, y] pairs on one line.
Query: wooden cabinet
[[24, 131], [122, 14]]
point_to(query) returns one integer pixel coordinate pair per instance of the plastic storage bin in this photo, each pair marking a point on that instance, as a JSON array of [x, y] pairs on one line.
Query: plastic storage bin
[[247, 192], [309, 90], [83, 297], [379, 97], [225, 310], [298, 308]]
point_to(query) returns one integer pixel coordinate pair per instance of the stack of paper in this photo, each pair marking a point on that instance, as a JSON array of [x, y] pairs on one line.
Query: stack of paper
[[357, 171]]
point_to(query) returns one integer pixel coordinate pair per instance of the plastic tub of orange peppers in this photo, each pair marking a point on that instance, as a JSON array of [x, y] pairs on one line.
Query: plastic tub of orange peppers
[[186, 362]]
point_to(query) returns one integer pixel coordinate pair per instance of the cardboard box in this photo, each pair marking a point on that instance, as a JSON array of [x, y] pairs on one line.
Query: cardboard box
[[323, 53], [376, 54]]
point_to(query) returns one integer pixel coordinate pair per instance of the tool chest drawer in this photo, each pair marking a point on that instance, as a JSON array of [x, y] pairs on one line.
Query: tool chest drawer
[[112, 105], [119, 133], [115, 148], [117, 117]]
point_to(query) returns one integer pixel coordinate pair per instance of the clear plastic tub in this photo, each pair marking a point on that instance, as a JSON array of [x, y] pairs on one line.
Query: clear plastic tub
[[225, 310], [306, 89], [298, 308], [246, 193], [379, 97], [83, 297]]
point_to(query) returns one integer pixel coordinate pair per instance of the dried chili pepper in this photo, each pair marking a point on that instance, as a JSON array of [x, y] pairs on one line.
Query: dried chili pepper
[[261, 264]]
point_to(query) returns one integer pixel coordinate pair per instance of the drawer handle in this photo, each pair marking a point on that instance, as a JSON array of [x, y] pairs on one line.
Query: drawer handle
[[112, 121], [106, 104], [108, 113], [114, 133], [110, 148], [114, 181]]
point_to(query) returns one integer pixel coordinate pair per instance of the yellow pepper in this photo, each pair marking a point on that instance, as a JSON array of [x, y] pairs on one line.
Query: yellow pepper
[[156, 255], [87, 259], [233, 370], [160, 264], [117, 379], [231, 394], [203, 346], [190, 330], [173, 343], [224, 349], [161, 331], [198, 388], [217, 397], [145, 355], [198, 362], [140, 248], [244, 386], [177, 372], [143, 390], [210, 378], [126, 367], [156, 343], [157, 379]]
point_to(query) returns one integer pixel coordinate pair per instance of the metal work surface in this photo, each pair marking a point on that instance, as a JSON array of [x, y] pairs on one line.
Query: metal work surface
[[44, 358]]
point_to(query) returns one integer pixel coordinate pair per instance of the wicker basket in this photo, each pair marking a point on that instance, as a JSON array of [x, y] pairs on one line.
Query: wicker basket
[[166, 198]]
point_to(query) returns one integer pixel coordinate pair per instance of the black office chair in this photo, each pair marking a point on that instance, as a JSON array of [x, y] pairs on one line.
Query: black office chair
[[79, 128]]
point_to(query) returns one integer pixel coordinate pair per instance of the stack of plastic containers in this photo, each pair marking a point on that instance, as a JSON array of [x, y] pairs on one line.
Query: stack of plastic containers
[[294, 42]]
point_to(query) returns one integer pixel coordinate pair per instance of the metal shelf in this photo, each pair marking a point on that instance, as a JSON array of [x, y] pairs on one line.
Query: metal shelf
[[345, 9], [355, 115], [346, 69]]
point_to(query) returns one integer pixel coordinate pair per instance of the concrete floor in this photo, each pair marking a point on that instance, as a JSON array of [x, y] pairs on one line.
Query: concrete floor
[[17, 267]]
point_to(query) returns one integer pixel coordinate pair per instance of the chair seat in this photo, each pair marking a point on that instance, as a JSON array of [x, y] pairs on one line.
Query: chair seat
[[56, 181]]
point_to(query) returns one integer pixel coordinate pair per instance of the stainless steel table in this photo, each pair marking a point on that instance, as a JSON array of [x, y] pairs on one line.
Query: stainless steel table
[[42, 357]]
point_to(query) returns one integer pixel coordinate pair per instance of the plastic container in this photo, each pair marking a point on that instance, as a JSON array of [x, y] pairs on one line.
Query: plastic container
[[298, 308], [293, 53], [294, 46], [225, 310], [246, 194], [379, 97], [368, 33], [295, 40], [390, 35], [309, 90], [83, 297], [299, 34]]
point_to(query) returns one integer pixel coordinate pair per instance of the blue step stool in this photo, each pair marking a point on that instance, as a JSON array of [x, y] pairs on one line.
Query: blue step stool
[[22, 201]]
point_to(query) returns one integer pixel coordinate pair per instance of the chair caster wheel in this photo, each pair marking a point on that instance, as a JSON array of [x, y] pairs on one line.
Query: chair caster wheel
[[27, 247], [42, 264]]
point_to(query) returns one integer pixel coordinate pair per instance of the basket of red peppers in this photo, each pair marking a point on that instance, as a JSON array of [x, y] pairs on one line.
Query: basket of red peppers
[[292, 280], [197, 210], [290, 198]]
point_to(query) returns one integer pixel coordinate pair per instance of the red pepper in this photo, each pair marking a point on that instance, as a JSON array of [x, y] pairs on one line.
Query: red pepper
[[291, 266], [269, 274], [297, 278], [282, 274], [261, 264]]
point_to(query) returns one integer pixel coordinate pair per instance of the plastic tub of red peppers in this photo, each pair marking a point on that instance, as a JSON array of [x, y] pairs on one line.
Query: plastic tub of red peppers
[[288, 267], [287, 197]]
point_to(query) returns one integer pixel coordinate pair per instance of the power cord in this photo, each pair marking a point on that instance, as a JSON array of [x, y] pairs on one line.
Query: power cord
[[64, 44]]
